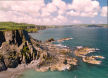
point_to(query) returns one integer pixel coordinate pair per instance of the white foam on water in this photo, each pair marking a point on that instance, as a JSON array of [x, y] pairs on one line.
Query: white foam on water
[[60, 45], [79, 47]]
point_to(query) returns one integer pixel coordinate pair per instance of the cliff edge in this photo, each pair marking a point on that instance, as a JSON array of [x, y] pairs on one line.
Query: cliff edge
[[15, 48]]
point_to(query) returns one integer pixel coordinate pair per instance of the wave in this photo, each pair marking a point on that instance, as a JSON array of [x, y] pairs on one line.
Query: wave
[[78, 47], [83, 46], [60, 45]]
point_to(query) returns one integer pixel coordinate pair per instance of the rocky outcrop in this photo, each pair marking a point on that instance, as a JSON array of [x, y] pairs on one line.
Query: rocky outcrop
[[15, 48], [2, 38], [82, 53], [63, 39], [91, 60], [58, 58], [50, 40], [2, 64]]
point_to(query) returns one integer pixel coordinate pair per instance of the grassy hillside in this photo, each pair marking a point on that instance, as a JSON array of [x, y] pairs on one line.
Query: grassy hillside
[[18, 26], [13, 26], [34, 28]]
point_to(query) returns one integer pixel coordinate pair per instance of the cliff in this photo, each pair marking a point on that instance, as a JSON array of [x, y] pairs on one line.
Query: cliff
[[15, 48]]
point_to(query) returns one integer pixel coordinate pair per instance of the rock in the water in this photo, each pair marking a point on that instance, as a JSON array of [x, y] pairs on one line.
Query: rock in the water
[[83, 51], [50, 40]]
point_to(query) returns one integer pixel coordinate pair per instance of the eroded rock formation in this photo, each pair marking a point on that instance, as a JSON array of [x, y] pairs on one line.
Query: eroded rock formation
[[17, 47], [83, 52]]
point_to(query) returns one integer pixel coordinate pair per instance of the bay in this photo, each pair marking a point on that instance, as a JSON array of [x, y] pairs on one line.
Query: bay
[[94, 37]]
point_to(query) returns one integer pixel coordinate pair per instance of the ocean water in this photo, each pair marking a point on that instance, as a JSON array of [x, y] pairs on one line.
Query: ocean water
[[94, 37]]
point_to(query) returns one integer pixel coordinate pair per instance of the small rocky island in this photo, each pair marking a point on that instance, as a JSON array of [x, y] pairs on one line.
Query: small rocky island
[[20, 51], [83, 52], [64, 39]]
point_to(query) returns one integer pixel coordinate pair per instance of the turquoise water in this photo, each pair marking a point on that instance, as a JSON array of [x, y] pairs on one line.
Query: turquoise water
[[82, 36]]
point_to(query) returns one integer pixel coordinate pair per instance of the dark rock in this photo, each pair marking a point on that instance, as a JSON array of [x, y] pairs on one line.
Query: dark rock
[[16, 47], [18, 37], [11, 62], [2, 64], [50, 40], [2, 38]]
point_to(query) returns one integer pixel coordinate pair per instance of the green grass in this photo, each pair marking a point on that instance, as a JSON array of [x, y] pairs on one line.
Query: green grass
[[32, 30], [13, 26], [5, 26]]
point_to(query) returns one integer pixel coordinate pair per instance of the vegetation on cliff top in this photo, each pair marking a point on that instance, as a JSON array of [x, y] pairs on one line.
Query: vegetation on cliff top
[[4, 26], [34, 28], [12, 25]]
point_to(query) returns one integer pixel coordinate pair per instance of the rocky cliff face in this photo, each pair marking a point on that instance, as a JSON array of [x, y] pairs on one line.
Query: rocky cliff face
[[2, 38], [15, 48]]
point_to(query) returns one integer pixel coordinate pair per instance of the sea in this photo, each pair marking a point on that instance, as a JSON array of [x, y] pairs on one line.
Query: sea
[[93, 37]]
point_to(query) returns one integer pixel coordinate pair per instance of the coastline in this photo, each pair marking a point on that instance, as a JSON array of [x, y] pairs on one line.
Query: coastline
[[18, 71], [15, 72], [45, 57]]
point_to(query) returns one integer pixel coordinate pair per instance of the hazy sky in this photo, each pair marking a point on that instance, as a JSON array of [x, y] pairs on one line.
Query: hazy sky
[[54, 12]]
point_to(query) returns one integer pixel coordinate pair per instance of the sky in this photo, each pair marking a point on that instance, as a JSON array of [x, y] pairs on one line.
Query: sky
[[54, 12]]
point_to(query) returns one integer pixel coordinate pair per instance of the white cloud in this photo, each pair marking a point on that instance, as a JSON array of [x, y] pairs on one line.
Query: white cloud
[[104, 11], [76, 22], [60, 5], [60, 20], [84, 8], [73, 13], [21, 11], [48, 9], [93, 21], [55, 12]]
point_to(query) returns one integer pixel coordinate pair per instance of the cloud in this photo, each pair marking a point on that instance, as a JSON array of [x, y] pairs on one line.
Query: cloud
[[93, 21], [76, 22], [73, 13], [84, 8], [56, 12], [104, 11], [21, 11]]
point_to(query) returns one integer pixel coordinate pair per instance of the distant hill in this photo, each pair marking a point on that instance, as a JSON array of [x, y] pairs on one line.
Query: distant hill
[[18, 26], [88, 25], [34, 28]]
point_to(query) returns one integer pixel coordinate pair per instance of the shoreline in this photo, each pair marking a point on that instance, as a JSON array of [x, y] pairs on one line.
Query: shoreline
[[16, 72], [21, 68], [12, 73], [50, 57]]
